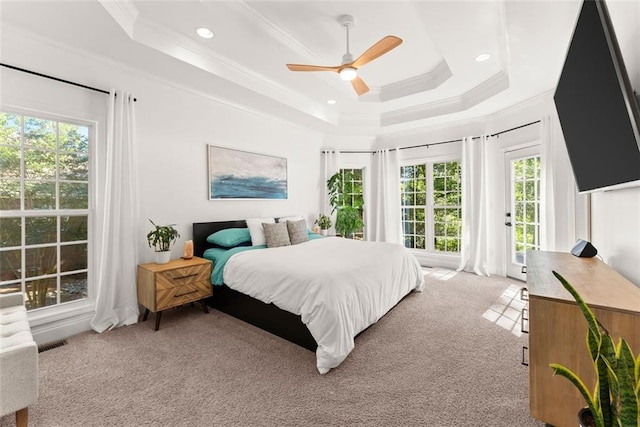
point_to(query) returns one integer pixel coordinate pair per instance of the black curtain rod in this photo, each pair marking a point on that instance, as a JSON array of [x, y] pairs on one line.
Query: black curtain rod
[[437, 143], [57, 79]]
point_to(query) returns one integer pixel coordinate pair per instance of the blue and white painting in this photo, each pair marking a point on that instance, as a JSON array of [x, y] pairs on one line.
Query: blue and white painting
[[235, 174]]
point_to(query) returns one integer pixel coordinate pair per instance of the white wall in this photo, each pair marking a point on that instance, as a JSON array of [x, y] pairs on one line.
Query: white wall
[[174, 126], [615, 215], [174, 129]]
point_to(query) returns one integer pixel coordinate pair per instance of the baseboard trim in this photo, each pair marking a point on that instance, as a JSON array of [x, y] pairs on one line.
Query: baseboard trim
[[61, 329]]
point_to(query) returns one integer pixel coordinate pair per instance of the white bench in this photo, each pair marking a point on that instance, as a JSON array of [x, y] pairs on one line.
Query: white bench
[[18, 360]]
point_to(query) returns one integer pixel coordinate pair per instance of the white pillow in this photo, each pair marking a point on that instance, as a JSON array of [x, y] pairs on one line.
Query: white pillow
[[291, 218], [255, 230]]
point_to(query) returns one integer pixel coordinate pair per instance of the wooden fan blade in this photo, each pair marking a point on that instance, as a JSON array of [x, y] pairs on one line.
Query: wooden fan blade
[[301, 67], [383, 46], [360, 86]]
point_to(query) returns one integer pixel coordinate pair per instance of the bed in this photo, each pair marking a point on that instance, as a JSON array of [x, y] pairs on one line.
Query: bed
[[306, 293]]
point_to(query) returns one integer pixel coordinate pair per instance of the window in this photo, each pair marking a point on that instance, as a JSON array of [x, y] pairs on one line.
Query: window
[[354, 194], [526, 199], [431, 206], [44, 209]]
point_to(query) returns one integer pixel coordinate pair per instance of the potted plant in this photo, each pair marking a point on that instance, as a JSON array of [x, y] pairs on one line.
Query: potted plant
[[324, 222], [615, 400], [348, 219], [161, 238]]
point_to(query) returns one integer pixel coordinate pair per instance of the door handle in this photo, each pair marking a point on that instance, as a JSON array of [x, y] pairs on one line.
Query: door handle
[[507, 219]]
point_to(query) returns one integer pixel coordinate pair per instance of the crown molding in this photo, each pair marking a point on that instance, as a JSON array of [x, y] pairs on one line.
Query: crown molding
[[530, 106], [485, 90], [277, 32], [124, 12], [185, 49], [421, 83], [104, 62]]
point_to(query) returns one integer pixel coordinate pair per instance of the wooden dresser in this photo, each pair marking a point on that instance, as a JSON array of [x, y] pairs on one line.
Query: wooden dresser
[[557, 328], [180, 281]]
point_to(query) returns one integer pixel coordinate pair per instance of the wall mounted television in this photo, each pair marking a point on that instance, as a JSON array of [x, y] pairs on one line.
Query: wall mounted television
[[597, 107]]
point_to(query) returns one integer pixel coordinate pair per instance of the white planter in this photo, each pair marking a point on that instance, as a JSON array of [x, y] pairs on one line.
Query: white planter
[[163, 257], [324, 232]]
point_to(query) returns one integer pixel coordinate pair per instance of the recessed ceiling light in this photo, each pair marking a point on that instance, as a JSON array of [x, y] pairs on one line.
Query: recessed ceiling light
[[205, 33], [331, 101], [483, 57]]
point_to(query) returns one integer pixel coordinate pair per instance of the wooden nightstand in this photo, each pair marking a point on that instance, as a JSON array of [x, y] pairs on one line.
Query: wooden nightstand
[[180, 281]]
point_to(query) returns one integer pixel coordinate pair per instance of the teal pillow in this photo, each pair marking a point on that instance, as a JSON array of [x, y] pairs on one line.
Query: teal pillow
[[313, 235], [230, 237]]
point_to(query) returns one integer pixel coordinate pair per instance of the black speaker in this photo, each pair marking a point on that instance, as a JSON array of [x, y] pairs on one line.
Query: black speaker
[[584, 249]]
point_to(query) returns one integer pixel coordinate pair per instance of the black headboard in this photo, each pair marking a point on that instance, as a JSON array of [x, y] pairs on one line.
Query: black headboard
[[202, 230]]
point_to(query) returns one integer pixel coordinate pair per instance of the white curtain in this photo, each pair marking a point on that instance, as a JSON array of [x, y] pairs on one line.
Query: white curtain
[[331, 165], [474, 250], [547, 194], [117, 303], [557, 189], [385, 210]]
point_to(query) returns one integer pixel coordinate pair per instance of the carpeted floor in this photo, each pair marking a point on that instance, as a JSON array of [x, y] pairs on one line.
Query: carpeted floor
[[436, 359]]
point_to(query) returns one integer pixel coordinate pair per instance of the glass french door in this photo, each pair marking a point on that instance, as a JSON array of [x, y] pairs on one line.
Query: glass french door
[[522, 219]]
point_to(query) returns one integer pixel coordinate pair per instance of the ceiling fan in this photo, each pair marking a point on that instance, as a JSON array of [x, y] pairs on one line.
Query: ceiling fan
[[348, 70]]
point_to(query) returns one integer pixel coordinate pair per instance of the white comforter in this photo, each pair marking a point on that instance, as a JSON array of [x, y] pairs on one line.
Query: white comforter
[[338, 286]]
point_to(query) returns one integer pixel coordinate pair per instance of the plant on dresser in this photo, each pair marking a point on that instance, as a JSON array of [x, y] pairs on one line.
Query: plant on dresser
[[161, 238], [615, 400]]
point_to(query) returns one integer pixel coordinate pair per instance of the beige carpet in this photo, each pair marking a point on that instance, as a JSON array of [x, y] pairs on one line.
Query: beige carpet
[[433, 360]]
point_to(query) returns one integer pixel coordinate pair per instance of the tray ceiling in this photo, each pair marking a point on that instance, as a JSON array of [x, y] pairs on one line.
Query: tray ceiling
[[431, 78]]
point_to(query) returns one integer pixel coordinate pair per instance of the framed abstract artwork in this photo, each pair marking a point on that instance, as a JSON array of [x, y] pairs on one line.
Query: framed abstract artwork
[[236, 174]]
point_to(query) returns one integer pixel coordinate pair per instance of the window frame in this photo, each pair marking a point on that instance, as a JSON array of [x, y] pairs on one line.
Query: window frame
[[83, 306], [430, 202], [536, 202]]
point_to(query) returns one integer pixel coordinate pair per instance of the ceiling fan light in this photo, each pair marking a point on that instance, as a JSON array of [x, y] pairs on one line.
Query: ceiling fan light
[[348, 73]]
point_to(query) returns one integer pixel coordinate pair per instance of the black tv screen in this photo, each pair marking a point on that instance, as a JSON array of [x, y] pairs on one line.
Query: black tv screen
[[597, 108]]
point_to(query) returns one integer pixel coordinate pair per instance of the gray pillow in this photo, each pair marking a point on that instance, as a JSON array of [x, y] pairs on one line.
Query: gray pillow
[[276, 234], [297, 231]]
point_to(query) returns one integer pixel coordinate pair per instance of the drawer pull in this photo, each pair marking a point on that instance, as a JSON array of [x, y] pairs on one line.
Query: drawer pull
[[186, 293], [524, 294], [524, 361], [185, 277], [524, 318]]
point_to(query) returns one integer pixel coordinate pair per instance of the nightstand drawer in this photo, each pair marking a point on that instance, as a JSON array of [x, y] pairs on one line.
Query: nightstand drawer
[[182, 276], [182, 294]]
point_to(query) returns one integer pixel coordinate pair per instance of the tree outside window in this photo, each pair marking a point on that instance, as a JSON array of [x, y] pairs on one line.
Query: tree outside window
[[431, 208], [354, 194], [44, 209], [525, 174]]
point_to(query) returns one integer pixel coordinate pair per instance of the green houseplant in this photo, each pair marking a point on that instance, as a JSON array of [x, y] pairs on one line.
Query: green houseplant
[[615, 400], [161, 238], [348, 219], [324, 222]]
